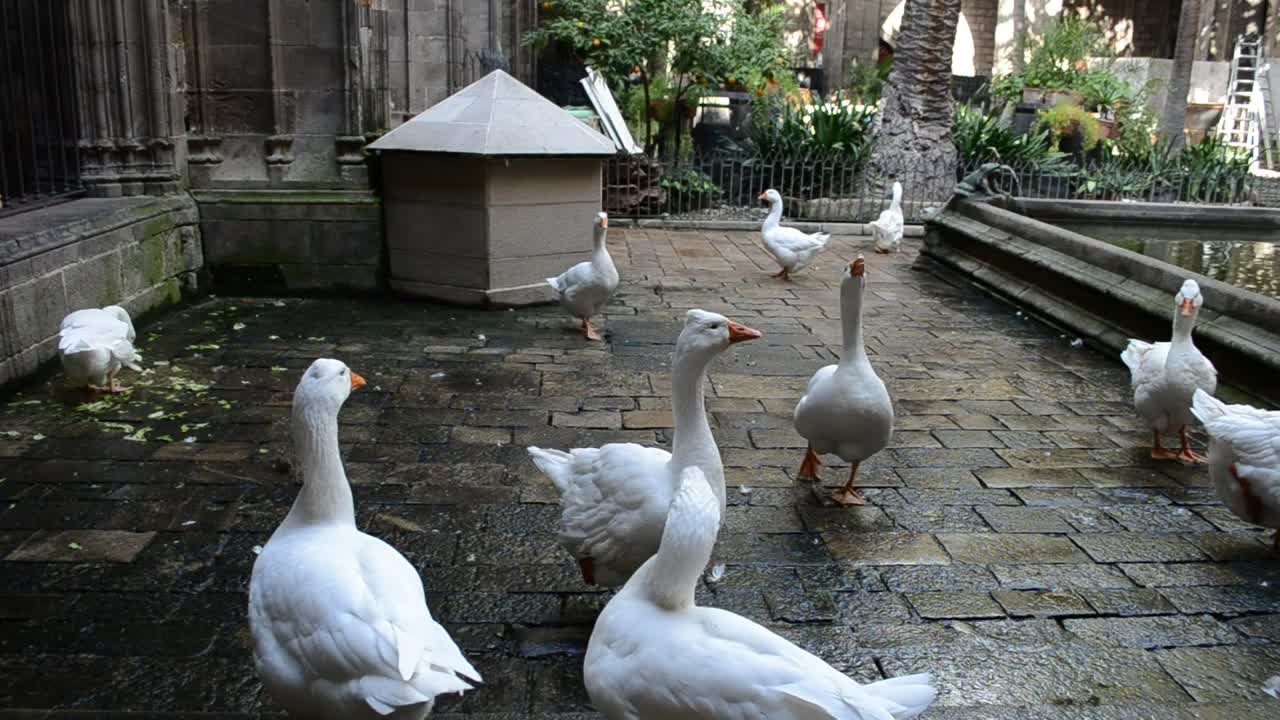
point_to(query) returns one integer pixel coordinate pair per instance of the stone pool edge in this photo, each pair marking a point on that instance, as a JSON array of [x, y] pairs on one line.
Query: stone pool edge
[[1103, 293]]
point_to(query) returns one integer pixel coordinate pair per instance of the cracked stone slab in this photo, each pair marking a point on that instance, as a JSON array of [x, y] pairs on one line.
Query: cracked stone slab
[[79, 546]]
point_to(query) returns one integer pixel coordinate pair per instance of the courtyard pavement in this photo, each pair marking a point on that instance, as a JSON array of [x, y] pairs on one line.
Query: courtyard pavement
[[1019, 544]]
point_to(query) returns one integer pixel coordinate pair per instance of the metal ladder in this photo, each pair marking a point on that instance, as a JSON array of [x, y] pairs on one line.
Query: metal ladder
[[1238, 125], [1266, 112]]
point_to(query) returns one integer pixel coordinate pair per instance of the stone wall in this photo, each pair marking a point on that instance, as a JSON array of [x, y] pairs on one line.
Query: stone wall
[[265, 242], [140, 252]]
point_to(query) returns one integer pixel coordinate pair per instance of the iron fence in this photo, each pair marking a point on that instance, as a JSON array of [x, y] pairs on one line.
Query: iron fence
[[724, 186], [39, 159]]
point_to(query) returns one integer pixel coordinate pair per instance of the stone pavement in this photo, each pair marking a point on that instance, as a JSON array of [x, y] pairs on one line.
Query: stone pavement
[[1019, 544]]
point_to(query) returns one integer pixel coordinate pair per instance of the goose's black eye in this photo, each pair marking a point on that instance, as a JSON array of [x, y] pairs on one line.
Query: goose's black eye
[[344, 372]]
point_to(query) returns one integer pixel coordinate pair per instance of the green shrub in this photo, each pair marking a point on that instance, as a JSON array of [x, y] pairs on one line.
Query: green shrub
[[1067, 119], [980, 138], [832, 129]]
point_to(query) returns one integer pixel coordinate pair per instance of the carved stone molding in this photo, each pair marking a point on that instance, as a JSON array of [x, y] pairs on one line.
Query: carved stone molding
[[204, 149]]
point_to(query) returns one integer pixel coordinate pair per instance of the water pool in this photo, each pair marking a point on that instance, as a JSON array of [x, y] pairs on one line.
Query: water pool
[[1247, 258]]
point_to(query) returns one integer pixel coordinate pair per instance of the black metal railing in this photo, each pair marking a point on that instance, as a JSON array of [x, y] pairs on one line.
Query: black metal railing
[[726, 186], [39, 160]]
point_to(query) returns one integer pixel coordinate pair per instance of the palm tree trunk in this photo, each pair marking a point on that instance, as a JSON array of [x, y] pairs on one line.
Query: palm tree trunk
[[1173, 121], [913, 132]]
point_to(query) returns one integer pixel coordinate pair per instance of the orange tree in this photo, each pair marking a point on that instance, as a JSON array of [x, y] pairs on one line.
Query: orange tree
[[702, 41]]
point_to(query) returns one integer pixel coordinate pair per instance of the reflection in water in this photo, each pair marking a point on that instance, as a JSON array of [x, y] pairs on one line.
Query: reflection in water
[[1249, 259]]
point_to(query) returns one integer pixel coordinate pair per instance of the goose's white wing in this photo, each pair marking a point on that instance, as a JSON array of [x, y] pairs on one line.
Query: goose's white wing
[[792, 240], [708, 663], [614, 501], [111, 337], [1255, 437], [569, 281], [346, 613]]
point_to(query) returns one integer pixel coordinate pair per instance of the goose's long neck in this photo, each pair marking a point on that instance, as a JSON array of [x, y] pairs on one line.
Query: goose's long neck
[[855, 351], [693, 443], [326, 495], [1182, 327], [775, 215], [670, 578], [897, 197]]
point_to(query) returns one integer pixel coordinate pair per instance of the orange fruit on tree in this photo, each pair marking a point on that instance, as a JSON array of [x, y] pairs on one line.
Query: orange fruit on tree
[[546, 6], [595, 42]]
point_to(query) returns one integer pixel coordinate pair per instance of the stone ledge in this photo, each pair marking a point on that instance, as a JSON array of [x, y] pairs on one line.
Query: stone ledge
[[1103, 293], [139, 252]]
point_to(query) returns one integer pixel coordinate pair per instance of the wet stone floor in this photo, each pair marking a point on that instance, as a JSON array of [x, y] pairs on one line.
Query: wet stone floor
[[1018, 543]]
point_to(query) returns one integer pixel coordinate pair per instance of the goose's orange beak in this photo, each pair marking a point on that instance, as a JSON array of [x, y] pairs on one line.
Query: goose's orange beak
[[1188, 308], [741, 333], [763, 196], [858, 267], [357, 381], [604, 222]]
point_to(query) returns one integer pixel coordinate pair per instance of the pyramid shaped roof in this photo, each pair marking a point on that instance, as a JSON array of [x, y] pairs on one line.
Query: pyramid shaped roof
[[496, 115]]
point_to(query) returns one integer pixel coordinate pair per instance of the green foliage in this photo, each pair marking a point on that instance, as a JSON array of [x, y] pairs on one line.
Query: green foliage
[[866, 81], [1067, 119], [1207, 172], [688, 188], [1057, 59], [980, 138], [1104, 92], [833, 129]]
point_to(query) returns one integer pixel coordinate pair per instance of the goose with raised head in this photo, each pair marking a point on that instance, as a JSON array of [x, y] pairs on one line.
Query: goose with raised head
[[1244, 459], [614, 498], [585, 288], [94, 343], [790, 248], [654, 653], [1165, 375], [339, 618], [845, 409], [886, 230]]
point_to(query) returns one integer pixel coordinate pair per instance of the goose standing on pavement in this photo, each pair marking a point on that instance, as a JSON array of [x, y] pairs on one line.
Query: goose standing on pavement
[[585, 288], [790, 248]]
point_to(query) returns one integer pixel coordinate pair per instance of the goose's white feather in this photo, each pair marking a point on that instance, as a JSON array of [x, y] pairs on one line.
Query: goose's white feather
[[93, 344], [614, 499], [846, 409], [1248, 439], [339, 618], [887, 229], [791, 249], [1164, 375], [655, 654], [586, 287]]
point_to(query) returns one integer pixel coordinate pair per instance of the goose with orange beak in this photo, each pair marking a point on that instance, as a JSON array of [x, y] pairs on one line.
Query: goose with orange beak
[[845, 410], [339, 619], [586, 287], [614, 498], [790, 248], [1165, 376]]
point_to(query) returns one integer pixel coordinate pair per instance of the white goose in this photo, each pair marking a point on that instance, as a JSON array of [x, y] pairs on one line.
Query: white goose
[[887, 229], [614, 499], [790, 248], [339, 621], [1166, 374], [585, 288], [655, 654], [1244, 458], [845, 409], [94, 344]]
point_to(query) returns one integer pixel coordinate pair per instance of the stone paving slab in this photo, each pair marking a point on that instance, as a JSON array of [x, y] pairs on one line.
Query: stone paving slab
[[1018, 543]]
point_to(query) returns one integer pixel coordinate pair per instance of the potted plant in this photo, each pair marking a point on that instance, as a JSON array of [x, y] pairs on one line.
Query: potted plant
[[1077, 131], [1104, 93]]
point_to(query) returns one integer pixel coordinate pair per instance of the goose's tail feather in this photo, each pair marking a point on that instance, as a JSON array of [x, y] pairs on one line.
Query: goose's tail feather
[[555, 464], [911, 694], [1207, 407]]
